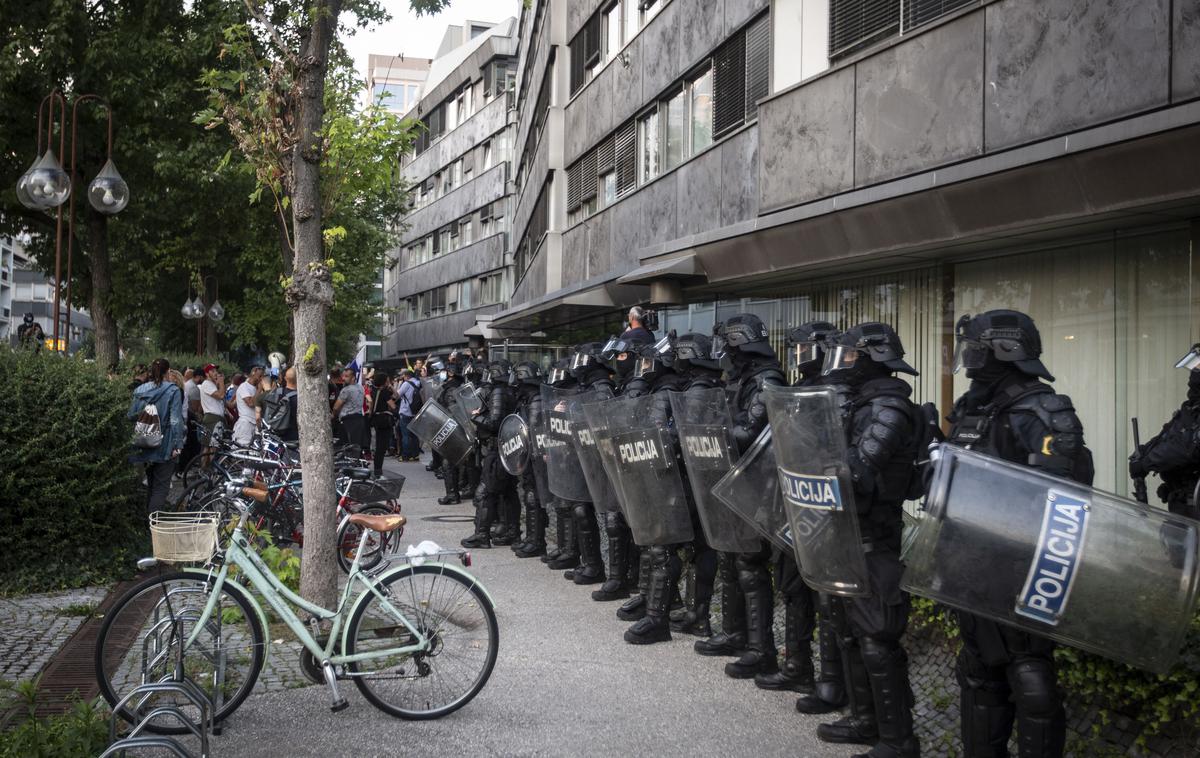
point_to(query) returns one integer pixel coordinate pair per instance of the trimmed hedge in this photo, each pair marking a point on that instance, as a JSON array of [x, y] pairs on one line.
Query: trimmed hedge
[[71, 505]]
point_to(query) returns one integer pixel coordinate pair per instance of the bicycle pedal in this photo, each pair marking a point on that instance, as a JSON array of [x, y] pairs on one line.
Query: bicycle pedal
[[339, 705]]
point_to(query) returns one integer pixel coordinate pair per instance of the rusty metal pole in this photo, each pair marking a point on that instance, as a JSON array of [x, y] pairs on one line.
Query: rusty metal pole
[[71, 212], [56, 95]]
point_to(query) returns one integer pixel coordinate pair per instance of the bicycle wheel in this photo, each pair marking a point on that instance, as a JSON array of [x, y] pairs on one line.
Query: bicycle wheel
[[141, 638], [456, 616], [377, 544]]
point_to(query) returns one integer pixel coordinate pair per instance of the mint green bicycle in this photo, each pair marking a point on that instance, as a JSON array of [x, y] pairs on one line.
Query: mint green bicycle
[[419, 641]]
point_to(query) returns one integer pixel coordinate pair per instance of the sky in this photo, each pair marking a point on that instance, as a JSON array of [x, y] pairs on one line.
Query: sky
[[419, 37]]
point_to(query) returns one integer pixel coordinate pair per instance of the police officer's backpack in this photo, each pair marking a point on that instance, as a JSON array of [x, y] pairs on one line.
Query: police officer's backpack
[[929, 434]]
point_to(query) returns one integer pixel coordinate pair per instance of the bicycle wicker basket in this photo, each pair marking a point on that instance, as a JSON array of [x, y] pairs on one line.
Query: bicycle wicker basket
[[183, 537], [376, 490]]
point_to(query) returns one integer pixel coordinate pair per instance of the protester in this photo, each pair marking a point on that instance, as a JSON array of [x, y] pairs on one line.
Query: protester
[[266, 386], [165, 423], [290, 431], [406, 391], [212, 403], [246, 423], [348, 410], [383, 418]]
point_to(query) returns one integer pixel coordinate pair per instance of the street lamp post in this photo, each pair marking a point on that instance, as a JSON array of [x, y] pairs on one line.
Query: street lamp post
[[196, 309], [45, 185]]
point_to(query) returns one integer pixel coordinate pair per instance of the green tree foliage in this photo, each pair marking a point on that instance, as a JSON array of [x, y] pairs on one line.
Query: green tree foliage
[[71, 514]]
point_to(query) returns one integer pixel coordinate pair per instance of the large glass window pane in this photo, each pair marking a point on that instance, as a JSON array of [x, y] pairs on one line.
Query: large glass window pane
[[632, 18], [701, 112], [612, 32], [648, 163], [676, 109]]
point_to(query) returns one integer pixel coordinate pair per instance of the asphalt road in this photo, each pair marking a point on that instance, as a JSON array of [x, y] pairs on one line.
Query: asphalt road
[[565, 683]]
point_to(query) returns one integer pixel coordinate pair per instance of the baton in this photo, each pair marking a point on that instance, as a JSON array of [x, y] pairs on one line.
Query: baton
[[1139, 482]]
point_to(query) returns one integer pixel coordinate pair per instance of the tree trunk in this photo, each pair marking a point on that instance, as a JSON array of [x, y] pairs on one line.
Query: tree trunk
[[310, 295], [103, 322]]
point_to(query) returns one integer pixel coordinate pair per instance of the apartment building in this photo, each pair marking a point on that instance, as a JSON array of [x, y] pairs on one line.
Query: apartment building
[[452, 263], [8, 319], [24, 289], [902, 160], [395, 81]]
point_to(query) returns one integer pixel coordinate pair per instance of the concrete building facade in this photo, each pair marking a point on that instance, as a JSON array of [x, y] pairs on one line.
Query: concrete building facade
[[863, 159]]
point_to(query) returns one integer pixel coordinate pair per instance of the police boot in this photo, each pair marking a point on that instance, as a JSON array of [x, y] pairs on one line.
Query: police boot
[[731, 640], [635, 607], [694, 621], [451, 497], [829, 693], [568, 549], [887, 667], [535, 528], [591, 569], [1041, 722], [858, 726], [619, 545], [655, 626], [986, 714], [484, 515], [796, 674], [761, 656], [560, 536]]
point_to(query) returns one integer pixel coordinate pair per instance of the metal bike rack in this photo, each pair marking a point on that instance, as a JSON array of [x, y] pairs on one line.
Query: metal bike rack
[[135, 740]]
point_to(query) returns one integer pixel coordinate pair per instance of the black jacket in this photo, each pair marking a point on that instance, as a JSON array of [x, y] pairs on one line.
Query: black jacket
[[744, 389], [501, 400]]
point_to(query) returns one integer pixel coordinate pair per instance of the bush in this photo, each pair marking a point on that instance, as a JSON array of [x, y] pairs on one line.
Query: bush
[[71, 511], [78, 733]]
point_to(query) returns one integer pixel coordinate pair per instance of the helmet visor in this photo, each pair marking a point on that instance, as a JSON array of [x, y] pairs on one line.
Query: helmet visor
[[612, 347], [840, 358], [581, 361], [644, 366], [803, 354], [970, 354], [1191, 361], [740, 334], [719, 347], [556, 375]]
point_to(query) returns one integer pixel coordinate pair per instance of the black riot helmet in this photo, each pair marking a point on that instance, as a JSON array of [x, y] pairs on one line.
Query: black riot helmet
[[498, 371], [435, 365], [621, 353], [525, 372], [856, 349], [655, 360], [1003, 335], [806, 346], [694, 350], [587, 357], [28, 318], [744, 333], [454, 368], [1191, 361]]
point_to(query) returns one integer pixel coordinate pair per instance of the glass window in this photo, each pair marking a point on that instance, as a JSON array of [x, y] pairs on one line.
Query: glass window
[[487, 155], [632, 18], [608, 188], [464, 294], [612, 32], [465, 231], [701, 102], [648, 152], [676, 133]]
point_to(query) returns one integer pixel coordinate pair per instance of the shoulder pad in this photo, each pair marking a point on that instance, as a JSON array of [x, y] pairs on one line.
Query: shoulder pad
[[1056, 411], [893, 402], [771, 376]]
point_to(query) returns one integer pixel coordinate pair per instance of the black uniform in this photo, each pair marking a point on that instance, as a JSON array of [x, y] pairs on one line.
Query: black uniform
[[565, 554], [1174, 454], [624, 559], [450, 471], [497, 486], [1004, 672], [882, 436], [529, 406], [587, 528]]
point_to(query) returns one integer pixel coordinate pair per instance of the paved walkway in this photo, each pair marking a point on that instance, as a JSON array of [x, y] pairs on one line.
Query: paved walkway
[[36, 626], [565, 684]]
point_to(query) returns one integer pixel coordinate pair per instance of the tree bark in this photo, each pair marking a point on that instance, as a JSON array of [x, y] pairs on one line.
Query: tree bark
[[107, 353], [310, 295]]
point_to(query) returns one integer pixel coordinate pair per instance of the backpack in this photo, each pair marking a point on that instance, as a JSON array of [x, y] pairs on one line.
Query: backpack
[[929, 433], [416, 402], [147, 431], [278, 416]]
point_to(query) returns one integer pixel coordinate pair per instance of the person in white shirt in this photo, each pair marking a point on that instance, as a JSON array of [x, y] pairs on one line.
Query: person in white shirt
[[243, 428], [212, 403]]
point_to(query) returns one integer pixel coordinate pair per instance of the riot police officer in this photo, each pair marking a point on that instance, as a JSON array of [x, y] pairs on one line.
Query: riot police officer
[[526, 380], [445, 398], [694, 362], [1009, 412], [436, 372], [565, 554], [806, 354], [747, 600], [882, 425], [1173, 453], [655, 366], [626, 567], [496, 484], [592, 374]]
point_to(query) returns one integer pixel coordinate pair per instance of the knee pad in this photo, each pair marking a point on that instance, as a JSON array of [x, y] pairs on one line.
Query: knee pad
[[659, 556], [1034, 687], [879, 654]]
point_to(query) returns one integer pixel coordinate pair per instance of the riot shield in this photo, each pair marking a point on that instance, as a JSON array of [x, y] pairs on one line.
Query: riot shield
[[639, 458], [430, 386], [436, 427], [467, 401], [1056, 558], [816, 487], [751, 492], [538, 432], [603, 493], [703, 422], [563, 471], [514, 444]]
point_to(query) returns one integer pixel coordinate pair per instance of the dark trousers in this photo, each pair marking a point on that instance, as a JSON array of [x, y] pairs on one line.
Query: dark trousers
[[158, 484], [352, 429], [191, 445], [409, 447], [383, 436]]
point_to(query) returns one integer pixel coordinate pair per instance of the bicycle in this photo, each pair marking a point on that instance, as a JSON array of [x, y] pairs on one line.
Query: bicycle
[[419, 641]]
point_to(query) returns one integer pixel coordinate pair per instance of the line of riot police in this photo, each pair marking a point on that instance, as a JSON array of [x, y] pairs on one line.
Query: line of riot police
[[695, 457]]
